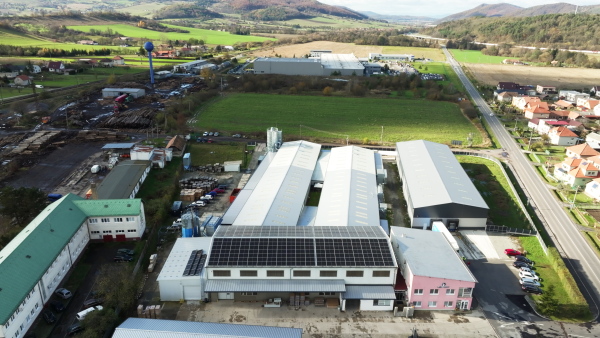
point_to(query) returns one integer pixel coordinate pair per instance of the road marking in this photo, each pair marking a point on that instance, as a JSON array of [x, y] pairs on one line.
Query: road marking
[[503, 316]]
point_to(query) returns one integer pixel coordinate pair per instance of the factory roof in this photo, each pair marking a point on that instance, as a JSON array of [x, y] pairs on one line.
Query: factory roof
[[349, 195], [434, 176], [340, 61], [118, 146], [279, 197], [179, 257], [122, 179], [121, 207], [299, 60], [161, 328], [428, 254]]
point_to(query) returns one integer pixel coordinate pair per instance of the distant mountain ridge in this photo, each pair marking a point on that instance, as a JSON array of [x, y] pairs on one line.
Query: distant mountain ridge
[[398, 18], [509, 10]]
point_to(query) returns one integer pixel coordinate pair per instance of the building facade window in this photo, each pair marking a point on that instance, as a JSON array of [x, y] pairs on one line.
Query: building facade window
[[275, 273], [382, 302], [105, 220], [418, 291], [432, 303], [355, 273], [93, 220], [301, 273], [249, 293], [326, 293], [328, 273], [248, 273], [107, 231], [131, 230], [222, 273], [381, 273], [119, 231], [450, 291], [417, 303], [118, 219], [95, 232], [129, 219], [434, 291], [465, 292], [448, 303]]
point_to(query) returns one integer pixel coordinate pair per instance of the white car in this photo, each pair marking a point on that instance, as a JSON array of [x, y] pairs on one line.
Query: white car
[[530, 281], [39, 86], [524, 269], [529, 275]]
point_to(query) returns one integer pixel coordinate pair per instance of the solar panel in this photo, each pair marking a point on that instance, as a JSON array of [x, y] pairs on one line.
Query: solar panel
[[195, 263], [300, 232]]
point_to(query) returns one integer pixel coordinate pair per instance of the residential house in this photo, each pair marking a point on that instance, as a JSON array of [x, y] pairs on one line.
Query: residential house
[[118, 61], [593, 140], [595, 91], [576, 172], [87, 42], [562, 136], [588, 105], [537, 110], [521, 101], [9, 75], [597, 110], [581, 151], [573, 115], [592, 189], [545, 89], [106, 62], [22, 80], [162, 54], [184, 51], [562, 104], [35, 69], [506, 96], [545, 125], [559, 114], [573, 96], [56, 66]]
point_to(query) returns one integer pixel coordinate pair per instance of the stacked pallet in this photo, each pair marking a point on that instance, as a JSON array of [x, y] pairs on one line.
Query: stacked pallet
[[211, 168], [35, 142], [100, 135], [319, 301], [190, 195], [134, 118], [204, 182]]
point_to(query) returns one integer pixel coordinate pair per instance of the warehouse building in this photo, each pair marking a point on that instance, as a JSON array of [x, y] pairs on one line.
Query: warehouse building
[[396, 57], [114, 220], [123, 181], [36, 261], [436, 187], [188, 66], [337, 264], [325, 65], [436, 278], [160, 328]]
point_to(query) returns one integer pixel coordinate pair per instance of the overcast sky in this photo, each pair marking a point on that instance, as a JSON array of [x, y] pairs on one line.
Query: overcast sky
[[434, 8]]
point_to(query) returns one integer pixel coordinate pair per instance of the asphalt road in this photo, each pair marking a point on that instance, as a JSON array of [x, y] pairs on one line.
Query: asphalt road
[[578, 256]]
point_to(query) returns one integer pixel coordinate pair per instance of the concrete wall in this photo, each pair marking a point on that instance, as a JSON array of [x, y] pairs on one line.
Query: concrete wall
[[448, 291], [266, 66], [463, 223], [173, 290], [133, 227]]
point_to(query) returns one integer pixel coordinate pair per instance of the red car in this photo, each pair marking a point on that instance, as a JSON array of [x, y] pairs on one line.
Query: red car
[[218, 191], [512, 252]]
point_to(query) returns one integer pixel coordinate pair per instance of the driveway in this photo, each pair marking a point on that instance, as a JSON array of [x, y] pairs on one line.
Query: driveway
[[393, 194]]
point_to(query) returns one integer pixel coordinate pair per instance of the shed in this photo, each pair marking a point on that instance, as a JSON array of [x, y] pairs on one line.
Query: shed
[[177, 143], [232, 165], [114, 92]]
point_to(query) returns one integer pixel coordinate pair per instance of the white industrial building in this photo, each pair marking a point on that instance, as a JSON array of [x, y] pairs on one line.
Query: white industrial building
[[398, 57], [114, 220], [183, 274], [325, 65], [315, 53], [114, 92], [436, 187], [36, 261], [188, 66], [123, 181]]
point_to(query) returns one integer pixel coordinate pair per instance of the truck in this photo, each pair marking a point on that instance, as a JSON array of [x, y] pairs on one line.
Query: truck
[[441, 227], [97, 168]]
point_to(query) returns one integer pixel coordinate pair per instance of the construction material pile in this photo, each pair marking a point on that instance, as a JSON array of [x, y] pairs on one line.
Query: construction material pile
[[131, 119], [190, 195], [35, 143], [204, 182], [209, 168], [100, 135]]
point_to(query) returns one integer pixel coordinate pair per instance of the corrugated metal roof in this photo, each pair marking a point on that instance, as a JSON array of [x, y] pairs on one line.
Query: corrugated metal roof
[[275, 285], [434, 176], [179, 257], [122, 207], [122, 179], [279, 198], [300, 232], [341, 61], [160, 328], [118, 146], [349, 196], [26, 258], [321, 167], [234, 209], [307, 218], [428, 253], [369, 292], [299, 60], [260, 171]]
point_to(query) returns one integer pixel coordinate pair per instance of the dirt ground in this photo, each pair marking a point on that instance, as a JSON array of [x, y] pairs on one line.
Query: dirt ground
[[574, 78], [305, 48]]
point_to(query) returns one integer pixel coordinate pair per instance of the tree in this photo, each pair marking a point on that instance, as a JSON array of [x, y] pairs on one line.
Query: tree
[[97, 323], [22, 204], [327, 91], [116, 284], [207, 74]]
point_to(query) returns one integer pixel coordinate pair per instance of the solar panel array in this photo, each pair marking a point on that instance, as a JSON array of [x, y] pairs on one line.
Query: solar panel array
[[300, 232], [353, 252], [195, 263]]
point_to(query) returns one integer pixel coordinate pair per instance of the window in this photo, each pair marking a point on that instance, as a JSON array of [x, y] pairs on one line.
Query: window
[[434, 291], [450, 291], [119, 231], [326, 293], [382, 302], [417, 303], [465, 292], [118, 219], [418, 291], [36, 306], [328, 273], [381, 273], [275, 273], [106, 231], [248, 273], [432, 303], [131, 230], [222, 273], [105, 220], [301, 273], [28, 319], [129, 219], [448, 303], [93, 220], [32, 311], [95, 232], [249, 293], [357, 273]]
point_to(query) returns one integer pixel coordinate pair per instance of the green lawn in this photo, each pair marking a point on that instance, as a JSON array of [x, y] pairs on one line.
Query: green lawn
[[334, 117], [218, 152], [475, 56], [435, 54], [209, 36], [159, 179], [440, 68]]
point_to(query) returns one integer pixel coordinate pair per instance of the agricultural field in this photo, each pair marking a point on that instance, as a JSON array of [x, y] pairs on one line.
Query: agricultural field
[[564, 78], [475, 56], [334, 117], [336, 22], [434, 54], [440, 68], [209, 37], [25, 40]]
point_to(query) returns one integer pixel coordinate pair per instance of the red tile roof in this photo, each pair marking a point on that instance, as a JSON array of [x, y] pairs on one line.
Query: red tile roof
[[583, 150], [563, 132]]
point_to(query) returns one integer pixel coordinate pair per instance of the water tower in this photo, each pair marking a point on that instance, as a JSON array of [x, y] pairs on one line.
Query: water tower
[[274, 139], [148, 46]]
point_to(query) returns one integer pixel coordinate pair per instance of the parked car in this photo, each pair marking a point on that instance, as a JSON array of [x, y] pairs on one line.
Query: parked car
[[128, 252], [39, 86], [205, 133], [527, 269], [123, 258], [223, 186], [210, 133], [519, 264], [49, 317], [512, 252], [529, 281], [75, 328], [218, 191], [531, 289], [81, 315], [216, 133], [527, 274], [199, 203], [57, 306], [63, 293], [236, 135], [92, 302], [524, 260]]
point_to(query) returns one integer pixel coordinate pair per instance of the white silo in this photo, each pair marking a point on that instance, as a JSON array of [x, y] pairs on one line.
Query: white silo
[[274, 139]]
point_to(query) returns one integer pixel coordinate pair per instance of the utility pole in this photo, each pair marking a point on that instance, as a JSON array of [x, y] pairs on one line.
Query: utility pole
[[381, 138], [574, 197]]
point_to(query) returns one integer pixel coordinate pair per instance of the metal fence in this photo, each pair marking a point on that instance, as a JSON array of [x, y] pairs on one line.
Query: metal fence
[[514, 191], [505, 229]]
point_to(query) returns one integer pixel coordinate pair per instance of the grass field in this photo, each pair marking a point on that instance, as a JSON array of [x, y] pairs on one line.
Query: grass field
[[209, 37], [337, 22], [440, 68], [435, 54], [219, 152], [359, 118], [475, 56]]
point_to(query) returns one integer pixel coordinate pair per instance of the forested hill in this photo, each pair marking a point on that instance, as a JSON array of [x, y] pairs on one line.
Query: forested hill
[[574, 31], [269, 10]]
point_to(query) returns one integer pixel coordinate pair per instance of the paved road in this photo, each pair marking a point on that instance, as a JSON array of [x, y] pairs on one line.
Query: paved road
[[578, 256]]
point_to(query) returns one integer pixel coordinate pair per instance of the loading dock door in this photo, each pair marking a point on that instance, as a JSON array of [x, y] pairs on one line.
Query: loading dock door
[[107, 238], [192, 292], [225, 295], [453, 225], [121, 238]]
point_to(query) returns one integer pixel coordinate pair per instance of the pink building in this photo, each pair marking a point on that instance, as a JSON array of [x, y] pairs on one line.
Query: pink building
[[435, 275]]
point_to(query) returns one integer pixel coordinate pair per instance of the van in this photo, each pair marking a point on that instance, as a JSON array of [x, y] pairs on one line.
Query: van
[[81, 315], [176, 208]]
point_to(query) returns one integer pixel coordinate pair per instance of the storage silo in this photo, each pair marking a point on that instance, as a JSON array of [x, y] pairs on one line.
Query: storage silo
[[212, 225], [274, 139], [187, 227], [187, 161]]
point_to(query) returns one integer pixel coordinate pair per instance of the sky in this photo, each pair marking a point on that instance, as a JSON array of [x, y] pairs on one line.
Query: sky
[[434, 8]]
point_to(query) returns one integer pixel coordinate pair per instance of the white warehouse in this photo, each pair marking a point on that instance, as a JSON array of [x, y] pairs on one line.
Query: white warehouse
[[324, 65]]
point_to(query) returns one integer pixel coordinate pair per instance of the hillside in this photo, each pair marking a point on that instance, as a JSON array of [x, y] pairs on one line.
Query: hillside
[[508, 10], [278, 10], [502, 9], [398, 18], [581, 31]]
